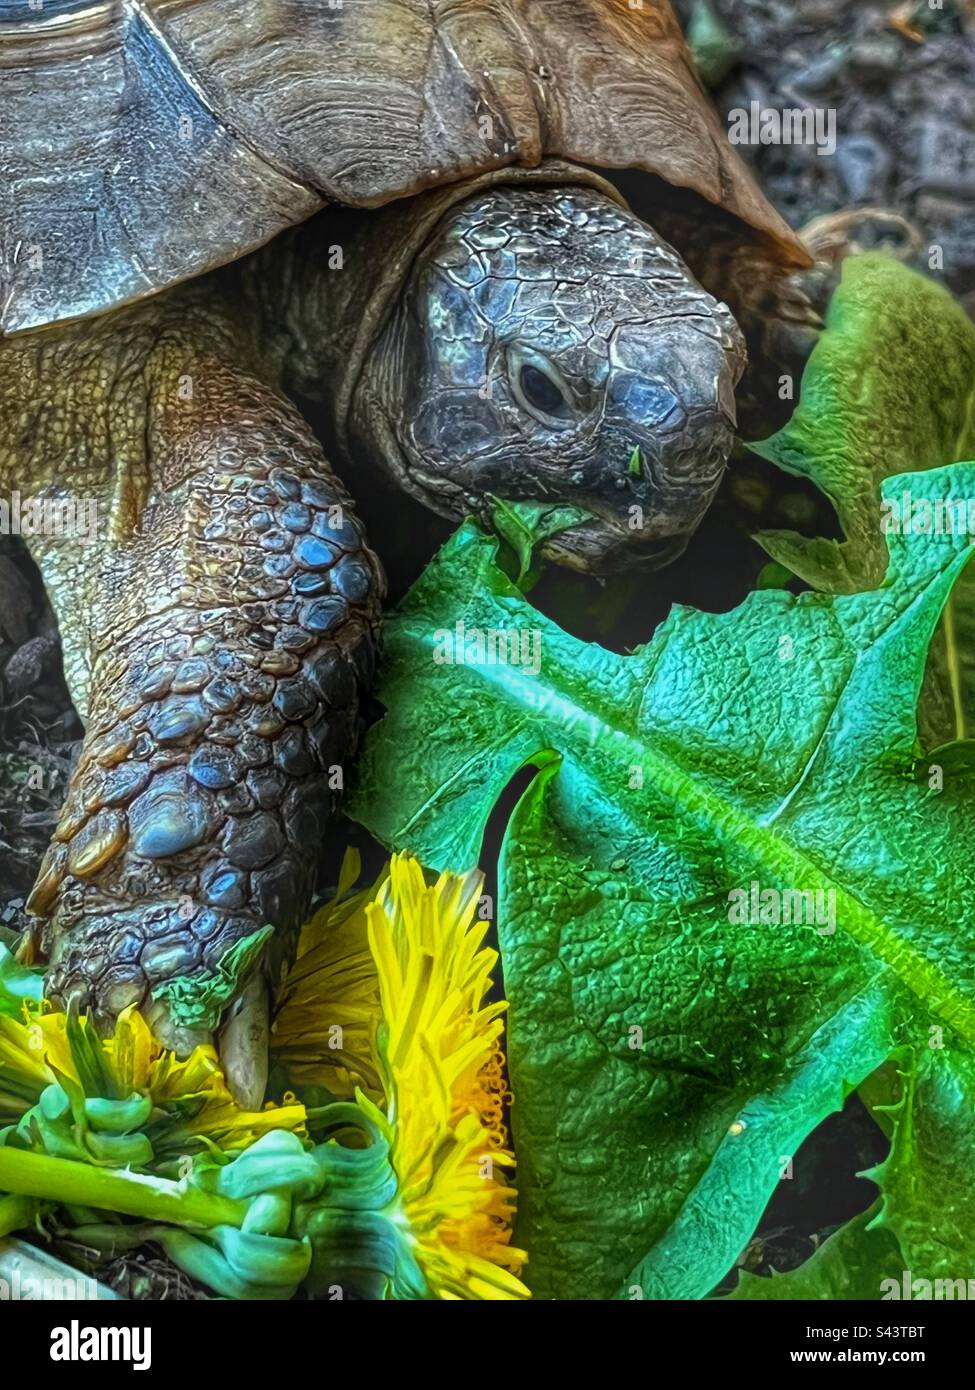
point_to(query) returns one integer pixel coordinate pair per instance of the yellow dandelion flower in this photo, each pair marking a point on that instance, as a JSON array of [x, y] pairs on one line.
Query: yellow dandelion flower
[[190, 1099], [434, 1050], [327, 1010], [24, 1073]]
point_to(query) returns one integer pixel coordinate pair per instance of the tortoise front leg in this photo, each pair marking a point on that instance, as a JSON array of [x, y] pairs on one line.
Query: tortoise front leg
[[234, 631]]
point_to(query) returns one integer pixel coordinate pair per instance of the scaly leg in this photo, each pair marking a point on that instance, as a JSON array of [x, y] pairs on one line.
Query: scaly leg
[[234, 630]]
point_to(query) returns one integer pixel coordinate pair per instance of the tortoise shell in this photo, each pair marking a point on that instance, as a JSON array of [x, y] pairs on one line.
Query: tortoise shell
[[147, 141]]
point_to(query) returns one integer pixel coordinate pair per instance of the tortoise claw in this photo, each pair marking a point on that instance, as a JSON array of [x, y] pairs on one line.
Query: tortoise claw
[[243, 1045]]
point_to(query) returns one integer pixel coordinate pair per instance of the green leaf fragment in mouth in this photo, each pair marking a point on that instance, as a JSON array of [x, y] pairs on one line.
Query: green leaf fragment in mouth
[[526, 525]]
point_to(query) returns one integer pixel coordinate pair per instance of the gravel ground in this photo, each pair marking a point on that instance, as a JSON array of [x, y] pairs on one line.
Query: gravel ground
[[900, 79], [39, 730]]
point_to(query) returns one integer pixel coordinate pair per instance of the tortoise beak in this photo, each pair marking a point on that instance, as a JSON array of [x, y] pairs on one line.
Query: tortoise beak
[[665, 436], [670, 402]]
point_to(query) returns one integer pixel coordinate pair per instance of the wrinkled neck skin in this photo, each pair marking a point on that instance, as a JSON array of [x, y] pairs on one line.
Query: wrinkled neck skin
[[417, 325]]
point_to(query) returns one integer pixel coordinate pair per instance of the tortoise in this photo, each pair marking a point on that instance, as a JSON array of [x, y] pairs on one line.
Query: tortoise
[[414, 213]]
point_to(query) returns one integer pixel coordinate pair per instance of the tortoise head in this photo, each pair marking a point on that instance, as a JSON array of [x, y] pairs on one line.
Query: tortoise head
[[548, 345]]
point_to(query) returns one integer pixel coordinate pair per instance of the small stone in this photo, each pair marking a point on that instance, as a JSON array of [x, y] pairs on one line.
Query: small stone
[[877, 56], [934, 211], [23, 671], [946, 158], [864, 165], [821, 73]]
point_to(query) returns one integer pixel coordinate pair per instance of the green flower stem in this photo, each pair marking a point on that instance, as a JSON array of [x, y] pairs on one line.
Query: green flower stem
[[16, 1213], [157, 1199]]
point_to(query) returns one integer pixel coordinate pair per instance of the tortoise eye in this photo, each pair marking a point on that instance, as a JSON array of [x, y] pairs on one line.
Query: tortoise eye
[[541, 391], [538, 390]]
